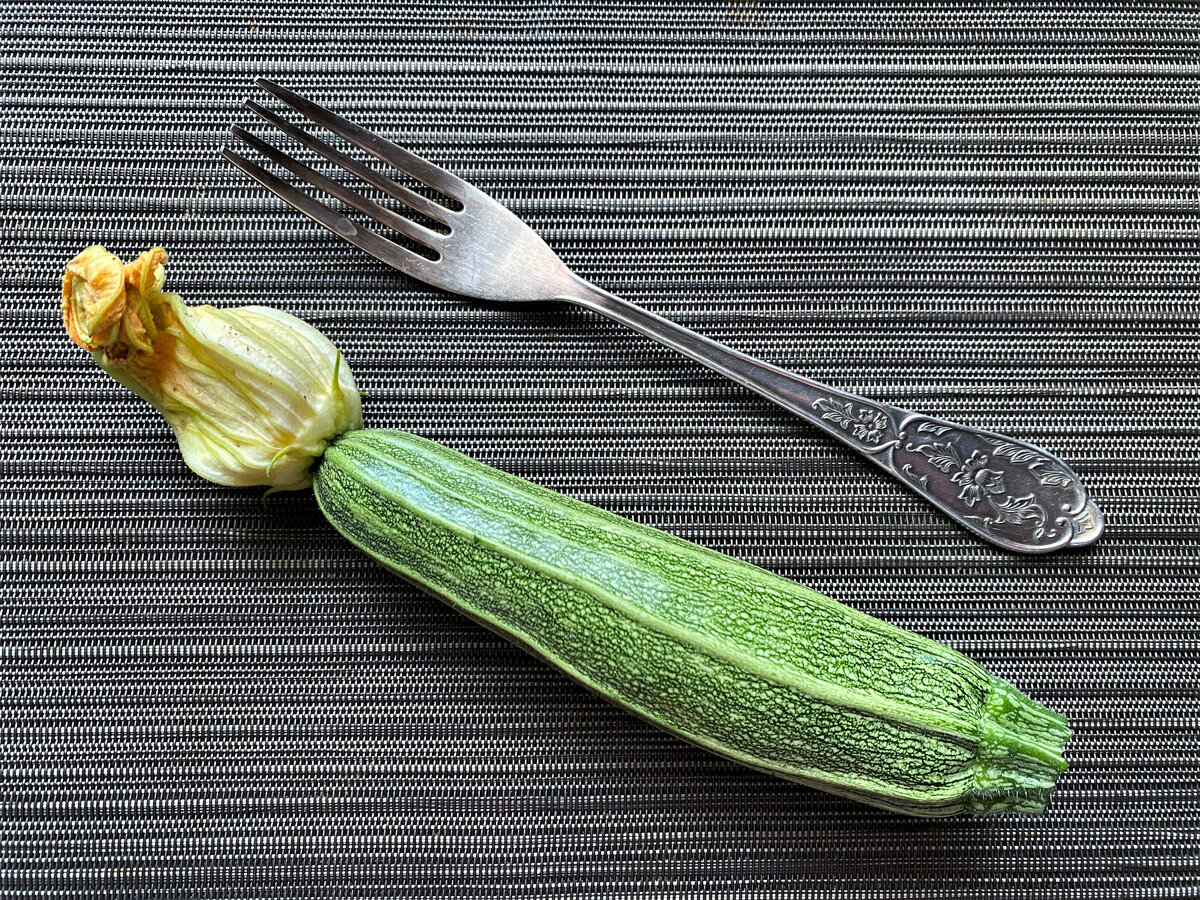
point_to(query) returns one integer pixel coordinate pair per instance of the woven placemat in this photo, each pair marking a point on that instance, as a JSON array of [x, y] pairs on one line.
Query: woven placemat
[[985, 213]]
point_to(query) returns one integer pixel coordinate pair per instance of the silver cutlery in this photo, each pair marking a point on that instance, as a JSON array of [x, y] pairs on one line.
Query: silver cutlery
[[1007, 491]]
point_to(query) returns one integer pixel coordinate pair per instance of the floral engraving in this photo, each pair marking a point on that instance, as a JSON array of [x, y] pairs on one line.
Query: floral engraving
[[1086, 521], [1015, 510], [931, 428], [1011, 493], [981, 483], [941, 456], [866, 424], [976, 480], [1046, 471], [972, 475]]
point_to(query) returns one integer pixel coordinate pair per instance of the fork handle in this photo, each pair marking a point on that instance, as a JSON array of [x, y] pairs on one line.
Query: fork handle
[[1007, 491]]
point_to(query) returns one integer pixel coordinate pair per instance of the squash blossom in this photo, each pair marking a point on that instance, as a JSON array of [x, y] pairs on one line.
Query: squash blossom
[[254, 395]]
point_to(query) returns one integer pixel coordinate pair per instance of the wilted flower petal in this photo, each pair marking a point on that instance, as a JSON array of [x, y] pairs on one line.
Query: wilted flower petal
[[93, 298], [254, 395]]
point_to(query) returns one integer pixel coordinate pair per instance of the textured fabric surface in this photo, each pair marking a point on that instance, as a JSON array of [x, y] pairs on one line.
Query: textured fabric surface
[[988, 213]]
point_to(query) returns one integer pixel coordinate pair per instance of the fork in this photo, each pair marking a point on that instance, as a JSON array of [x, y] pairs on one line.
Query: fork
[[1018, 496]]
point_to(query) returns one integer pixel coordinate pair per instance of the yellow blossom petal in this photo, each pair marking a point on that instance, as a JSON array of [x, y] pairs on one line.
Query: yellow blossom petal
[[254, 395], [93, 298]]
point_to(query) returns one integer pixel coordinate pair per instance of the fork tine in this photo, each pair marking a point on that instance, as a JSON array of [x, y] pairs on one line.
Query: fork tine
[[381, 214], [392, 154], [396, 191], [378, 246]]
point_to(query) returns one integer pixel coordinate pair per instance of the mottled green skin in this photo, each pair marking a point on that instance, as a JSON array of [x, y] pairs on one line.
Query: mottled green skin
[[727, 655]]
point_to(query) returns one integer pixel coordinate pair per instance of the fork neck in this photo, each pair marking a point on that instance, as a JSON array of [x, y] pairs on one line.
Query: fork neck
[[587, 295], [791, 391]]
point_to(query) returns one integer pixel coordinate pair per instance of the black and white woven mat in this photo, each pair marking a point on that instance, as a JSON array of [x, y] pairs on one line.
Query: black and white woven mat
[[986, 212]]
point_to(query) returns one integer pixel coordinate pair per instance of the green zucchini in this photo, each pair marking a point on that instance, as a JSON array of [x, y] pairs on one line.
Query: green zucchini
[[737, 660]]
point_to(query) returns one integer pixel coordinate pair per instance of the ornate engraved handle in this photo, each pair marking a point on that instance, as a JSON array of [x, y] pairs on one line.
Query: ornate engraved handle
[[1009, 492]]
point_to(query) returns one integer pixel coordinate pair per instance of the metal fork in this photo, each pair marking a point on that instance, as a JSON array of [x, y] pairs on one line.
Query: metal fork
[[1009, 492]]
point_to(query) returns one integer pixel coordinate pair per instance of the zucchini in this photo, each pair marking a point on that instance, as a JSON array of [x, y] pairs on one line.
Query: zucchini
[[749, 665], [728, 656]]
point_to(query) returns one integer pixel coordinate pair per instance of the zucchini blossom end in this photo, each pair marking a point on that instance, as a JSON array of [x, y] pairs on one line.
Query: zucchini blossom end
[[254, 395]]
